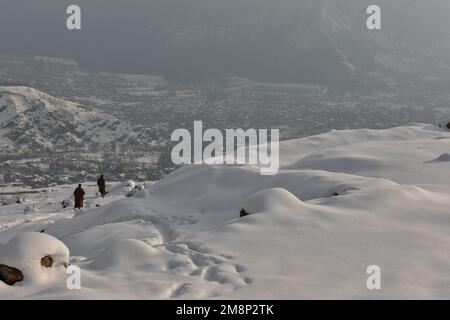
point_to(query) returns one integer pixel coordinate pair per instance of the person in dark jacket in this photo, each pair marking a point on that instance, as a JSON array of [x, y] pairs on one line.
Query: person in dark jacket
[[101, 186], [79, 197]]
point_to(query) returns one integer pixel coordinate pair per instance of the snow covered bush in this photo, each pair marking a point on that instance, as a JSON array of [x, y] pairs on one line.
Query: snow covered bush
[[14, 200], [30, 209], [68, 203], [139, 191], [123, 188]]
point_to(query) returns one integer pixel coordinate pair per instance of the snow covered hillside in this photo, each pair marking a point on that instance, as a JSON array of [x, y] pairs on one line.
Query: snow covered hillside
[[342, 201], [30, 119]]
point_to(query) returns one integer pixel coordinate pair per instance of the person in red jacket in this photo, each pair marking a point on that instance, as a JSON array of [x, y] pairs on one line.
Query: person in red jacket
[[79, 197]]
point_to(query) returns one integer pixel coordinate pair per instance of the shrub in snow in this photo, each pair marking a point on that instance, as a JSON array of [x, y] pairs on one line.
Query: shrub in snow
[[138, 191], [123, 188], [37, 256], [30, 209], [14, 200], [67, 203], [342, 189]]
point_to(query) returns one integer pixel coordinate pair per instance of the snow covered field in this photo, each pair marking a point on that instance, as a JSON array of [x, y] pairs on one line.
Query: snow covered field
[[342, 201]]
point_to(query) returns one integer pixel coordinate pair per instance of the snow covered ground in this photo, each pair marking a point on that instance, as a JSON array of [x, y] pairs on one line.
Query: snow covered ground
[[342, 201]]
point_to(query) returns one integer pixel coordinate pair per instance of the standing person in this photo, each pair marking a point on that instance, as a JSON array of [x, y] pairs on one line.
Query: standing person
[[101, 186], [79, 197]]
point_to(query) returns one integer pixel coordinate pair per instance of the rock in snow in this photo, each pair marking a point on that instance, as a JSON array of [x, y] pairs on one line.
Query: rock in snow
[[10, 275]]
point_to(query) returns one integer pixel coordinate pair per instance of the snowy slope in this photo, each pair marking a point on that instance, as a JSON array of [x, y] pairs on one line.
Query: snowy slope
[[31, 119], [343, 200]]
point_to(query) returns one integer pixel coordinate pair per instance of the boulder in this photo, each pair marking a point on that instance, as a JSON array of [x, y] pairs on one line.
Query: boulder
[[243, 213], [47, 261], [10, 275]]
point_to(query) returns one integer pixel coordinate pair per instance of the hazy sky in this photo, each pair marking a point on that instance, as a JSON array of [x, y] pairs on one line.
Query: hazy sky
[[256, 38]]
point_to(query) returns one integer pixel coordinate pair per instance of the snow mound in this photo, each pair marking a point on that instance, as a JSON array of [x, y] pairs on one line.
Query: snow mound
[[30, 209], [126, 253], [443, 157], [139, 191], [123, 188], [445, 123], [26, 251], [272, 200]]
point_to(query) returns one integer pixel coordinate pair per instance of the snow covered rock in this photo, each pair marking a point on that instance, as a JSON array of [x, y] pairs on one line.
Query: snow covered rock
[[68, 203], [123, 188], [445, 123], [139, 191], [37, 255], [444, 157], [30, 209]]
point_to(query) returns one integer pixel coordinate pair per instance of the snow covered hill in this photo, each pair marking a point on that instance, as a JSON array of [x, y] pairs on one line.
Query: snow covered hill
[[343, 201], [30, 119]]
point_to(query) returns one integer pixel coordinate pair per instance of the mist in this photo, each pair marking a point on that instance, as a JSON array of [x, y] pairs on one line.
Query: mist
[[287, 41]]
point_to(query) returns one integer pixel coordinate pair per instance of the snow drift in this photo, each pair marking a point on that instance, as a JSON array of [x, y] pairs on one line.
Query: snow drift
[[342, 201]]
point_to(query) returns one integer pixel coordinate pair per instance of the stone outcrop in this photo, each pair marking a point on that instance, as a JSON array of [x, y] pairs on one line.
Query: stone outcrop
[[10, 275]]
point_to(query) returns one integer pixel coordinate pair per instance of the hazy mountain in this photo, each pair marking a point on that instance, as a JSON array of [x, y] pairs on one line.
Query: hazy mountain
[[314, 41]]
